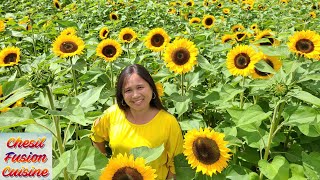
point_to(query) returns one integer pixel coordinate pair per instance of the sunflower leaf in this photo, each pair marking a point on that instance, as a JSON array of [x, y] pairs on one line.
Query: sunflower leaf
[[149, 154], [89, 97], [307, 97], [263, 66], [277, 169], [16, 117]]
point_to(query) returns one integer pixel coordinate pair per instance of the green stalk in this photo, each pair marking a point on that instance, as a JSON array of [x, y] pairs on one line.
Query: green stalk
[[74, 79], [112, 83], [128, 51], [242, 94], [19, 70], [274, 124], [58, 129], [182, 91]]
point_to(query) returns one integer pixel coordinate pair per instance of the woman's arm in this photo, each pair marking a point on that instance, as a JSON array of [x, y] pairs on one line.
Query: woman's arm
[[100, 146]]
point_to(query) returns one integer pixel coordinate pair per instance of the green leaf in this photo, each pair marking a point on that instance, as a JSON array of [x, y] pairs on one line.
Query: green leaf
[[181, 107], [311, 130], [85, 159], [311, 164], [62, 163], [16, 117], [183, 169], [228, 92], [66, 24], [263, 66], [149, 154], [277, 169], [190, 124], [89, 97], [299, 115], [72, 111], [297, 172], [307, 97], [204, 64]]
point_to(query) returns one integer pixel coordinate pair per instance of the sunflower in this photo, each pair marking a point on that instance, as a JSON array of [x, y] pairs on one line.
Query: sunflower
[[160, 90], [56, 4], [241, 60], [220, 5], [206, 150], [240, 36], [9, 56], [103, 33], [267, 34], [190, 3], [228, 38], [69, 31], [274, 62], [208, 21], [126, 167], [2, 26], [127, 35], [194, 20], [284, 1], [68, 45], [172, 11], [109, 49], [226, 10], [113, 16], [157, 39], [254, 27], [181, 55], [237, 27], [313, 14], [305, 43]]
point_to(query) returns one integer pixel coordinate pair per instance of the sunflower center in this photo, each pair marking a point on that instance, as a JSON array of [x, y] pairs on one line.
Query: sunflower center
[[209, 21], [241, 61], [180, 56], [240, 35], [305, 45], [109, 51], [157, 40], [127, 173], [114, 17], [12, 57], [206, 150], [228, 39], [57, 5], [68, 47], [104, 33], [264, 73], [127, 37]]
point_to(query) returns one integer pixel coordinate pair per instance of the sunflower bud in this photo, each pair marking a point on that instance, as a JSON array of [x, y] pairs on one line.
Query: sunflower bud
[[279, 89], [41, 78]]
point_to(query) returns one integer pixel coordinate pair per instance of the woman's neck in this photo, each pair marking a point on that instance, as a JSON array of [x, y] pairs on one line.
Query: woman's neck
[[141, 117]]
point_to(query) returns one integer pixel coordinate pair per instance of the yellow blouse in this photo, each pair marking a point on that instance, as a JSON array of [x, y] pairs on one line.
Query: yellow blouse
[[123, 135]]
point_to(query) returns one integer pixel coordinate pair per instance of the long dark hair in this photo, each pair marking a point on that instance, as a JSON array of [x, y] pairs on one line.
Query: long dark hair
[[144, 74]]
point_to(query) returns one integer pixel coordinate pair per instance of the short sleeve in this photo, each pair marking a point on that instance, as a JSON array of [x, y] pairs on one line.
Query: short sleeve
[[175, 144], [100, 129]]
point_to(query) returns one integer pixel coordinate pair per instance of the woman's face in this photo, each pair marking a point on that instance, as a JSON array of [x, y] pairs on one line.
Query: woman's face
[[137, 93]]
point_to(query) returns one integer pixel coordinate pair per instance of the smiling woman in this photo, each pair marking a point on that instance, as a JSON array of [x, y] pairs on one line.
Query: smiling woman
[[133, 121]]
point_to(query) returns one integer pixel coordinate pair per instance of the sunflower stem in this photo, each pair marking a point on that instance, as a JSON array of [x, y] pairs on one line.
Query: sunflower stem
[[19, 70], [274, 123], [242, 94], [73, 78], [128, 51], [58, 129], [111, 77], [182, 92]]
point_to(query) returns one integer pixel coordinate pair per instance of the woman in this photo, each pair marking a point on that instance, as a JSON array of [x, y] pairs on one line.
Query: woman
[[139, 119]]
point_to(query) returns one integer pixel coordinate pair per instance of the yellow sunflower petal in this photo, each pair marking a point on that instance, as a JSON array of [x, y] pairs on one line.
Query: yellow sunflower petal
[[127, 35], [68, 45]]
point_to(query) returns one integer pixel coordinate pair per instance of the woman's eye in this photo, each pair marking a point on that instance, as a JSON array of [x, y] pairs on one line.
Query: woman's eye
[[128, 90]]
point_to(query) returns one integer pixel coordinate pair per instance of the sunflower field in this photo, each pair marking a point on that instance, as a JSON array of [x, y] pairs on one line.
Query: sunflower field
[[241, 76]]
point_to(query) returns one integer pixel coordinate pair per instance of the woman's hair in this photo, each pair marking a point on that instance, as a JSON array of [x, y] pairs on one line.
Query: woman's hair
[[144, 74]]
